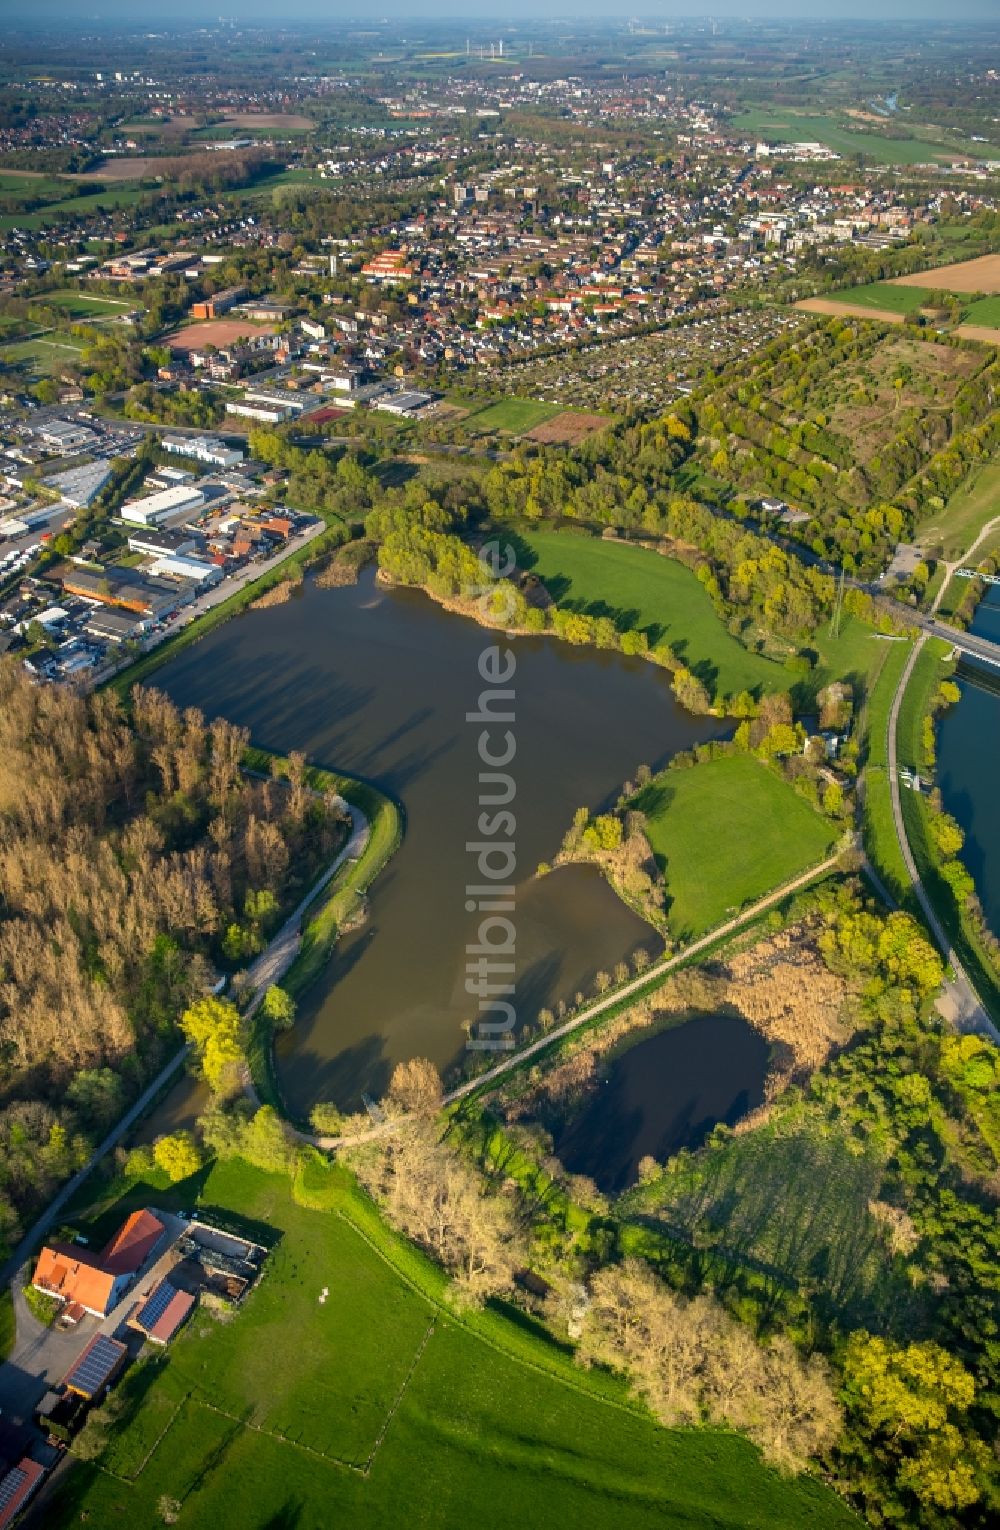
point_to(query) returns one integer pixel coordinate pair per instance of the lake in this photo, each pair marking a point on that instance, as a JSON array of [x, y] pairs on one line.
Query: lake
[[968, 750], [378, 682], [661, 1095]]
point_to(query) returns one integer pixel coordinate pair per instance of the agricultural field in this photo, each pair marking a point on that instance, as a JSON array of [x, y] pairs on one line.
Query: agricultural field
[[785, 125], [724, 833], [838, 308], [638, 588], [885, 297], [651, 371], [244, 1422], [979, 275], [983, 312]]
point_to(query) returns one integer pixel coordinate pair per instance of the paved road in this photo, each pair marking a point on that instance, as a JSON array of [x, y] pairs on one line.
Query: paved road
[[658, 969], [42, 1355], [960, 1004], [212, 598], [283, 949], [37, 1231]]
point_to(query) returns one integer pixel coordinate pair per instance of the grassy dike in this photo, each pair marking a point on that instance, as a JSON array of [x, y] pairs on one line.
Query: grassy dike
[[917, 704], [879, 827], [340, 904]]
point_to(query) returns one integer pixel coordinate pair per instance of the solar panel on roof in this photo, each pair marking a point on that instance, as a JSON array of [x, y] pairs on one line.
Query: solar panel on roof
[[156, 1306], [95, 1365], [11, 1485]]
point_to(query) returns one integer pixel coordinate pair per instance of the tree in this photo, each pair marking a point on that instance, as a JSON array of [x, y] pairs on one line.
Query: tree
[[214, 1028], [178, 1155], [278, 1007], [415, 1087], [911, 1400]]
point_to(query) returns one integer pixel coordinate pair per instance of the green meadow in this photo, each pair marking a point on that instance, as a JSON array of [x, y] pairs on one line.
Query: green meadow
[[380, 1405], [724, 833]]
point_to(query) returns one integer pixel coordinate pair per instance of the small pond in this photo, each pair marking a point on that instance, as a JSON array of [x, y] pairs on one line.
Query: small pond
[[664, 1094]]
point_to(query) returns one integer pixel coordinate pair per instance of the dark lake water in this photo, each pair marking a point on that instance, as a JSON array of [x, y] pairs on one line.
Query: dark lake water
[[662, 1095], [968, 774], [378, 683]]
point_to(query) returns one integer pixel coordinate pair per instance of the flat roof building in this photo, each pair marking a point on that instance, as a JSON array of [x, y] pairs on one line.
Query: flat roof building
[[169, 504], [207, 449]]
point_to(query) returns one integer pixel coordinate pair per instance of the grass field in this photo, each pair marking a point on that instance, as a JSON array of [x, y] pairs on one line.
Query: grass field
[[83, 305], [927, 675], [43, 355], [724, 834], [638, 588], [515, 415], [955, 527], [781, 124], [380, 1406], [985, 312], [885, 295]]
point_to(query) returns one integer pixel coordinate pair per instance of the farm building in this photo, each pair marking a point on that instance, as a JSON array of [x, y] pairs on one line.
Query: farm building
[[94, 1283], [96, 1367], [16, 1486], [162, 1313]]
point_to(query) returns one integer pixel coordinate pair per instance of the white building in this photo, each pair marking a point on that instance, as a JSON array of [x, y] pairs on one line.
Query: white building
[[177, 566], [168, 505], [207, 449], [268, 414]]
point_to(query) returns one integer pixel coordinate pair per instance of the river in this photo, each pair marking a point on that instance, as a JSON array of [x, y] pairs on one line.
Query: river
[[968, 750], [378, 682]]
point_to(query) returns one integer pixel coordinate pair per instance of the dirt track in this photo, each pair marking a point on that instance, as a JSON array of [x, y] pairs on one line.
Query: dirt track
[[980, 275], [267, 120], [568, 428], [848, 310], [214, 332]]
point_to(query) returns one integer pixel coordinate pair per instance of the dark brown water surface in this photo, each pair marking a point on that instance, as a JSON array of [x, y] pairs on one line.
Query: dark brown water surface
[[664, 1094], [378, 683]]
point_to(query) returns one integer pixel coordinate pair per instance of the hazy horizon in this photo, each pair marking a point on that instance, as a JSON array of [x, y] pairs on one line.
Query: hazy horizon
[[501, 16]]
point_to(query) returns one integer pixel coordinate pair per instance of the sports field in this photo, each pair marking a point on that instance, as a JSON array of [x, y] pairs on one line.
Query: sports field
[[84, 305], [346, 1392], [43, 355], [514, 415], [724, 834], [638, 588], [191, 337]]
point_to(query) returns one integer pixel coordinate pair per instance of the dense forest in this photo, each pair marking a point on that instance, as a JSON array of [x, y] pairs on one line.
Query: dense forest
[[138, 860]]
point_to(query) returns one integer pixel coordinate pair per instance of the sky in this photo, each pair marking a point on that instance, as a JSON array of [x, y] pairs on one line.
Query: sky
[[496, 11]]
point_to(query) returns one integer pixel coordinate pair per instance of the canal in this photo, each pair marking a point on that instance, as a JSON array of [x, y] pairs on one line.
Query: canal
[[968, 750]]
